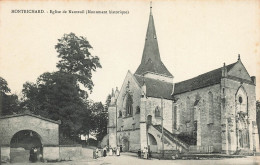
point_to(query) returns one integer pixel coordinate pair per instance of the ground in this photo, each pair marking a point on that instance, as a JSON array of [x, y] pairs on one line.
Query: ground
[[132, 159]]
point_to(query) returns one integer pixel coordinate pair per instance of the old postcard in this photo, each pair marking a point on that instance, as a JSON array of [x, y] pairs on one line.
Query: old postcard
[[118, 82]]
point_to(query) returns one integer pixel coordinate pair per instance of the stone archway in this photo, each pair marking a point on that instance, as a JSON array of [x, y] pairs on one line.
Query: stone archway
[[47, 130], [242, 122], [125, 144], [152, 143], [21, 143]]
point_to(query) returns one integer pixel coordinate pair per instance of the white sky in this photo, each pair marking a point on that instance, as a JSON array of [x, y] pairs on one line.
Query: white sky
[[194, 37]]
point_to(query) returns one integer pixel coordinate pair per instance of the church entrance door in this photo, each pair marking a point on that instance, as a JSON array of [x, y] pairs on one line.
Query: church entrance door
[[125, 145], [242, 132]]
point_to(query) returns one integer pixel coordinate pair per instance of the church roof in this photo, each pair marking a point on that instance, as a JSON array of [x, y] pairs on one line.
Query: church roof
[[151, 61], [203, 80], [156, 88]]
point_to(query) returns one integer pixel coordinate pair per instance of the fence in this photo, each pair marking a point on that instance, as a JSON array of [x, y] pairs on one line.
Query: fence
[[201, 149]]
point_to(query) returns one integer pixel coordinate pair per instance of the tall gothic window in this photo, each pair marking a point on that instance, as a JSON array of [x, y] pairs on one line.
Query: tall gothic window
[[210, 112], [157, 112], [188, 110], [129, 105], [175, 117]]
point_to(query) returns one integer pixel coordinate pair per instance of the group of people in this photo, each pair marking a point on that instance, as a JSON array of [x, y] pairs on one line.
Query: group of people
[[106, 151], [35, 155], [146, 153]]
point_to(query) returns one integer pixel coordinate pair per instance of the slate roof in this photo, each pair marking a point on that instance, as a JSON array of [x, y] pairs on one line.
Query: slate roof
[[203, 80], [156, 88], [153, 67]]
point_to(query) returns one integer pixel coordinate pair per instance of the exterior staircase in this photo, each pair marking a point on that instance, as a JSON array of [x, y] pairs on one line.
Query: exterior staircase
[[172, 137]]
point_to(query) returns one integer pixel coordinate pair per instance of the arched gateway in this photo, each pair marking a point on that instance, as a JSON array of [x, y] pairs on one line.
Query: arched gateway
[[19, 133]]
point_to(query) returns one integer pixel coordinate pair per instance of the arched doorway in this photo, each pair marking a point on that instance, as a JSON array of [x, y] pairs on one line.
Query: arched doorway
[[152, 143], [125, 146], [21, 144]]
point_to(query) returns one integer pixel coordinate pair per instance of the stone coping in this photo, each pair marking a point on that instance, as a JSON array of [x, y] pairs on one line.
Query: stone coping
[[32, 115]]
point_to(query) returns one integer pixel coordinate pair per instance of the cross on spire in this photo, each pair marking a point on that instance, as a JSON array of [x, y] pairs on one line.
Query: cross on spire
[[151, 6]]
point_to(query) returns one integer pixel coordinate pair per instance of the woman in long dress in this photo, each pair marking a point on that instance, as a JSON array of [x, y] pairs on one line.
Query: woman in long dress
[[118, 151], [105, 151], [110, 151], [145, 153]]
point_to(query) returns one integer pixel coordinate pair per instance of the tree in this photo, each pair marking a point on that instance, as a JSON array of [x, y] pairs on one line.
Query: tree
[[58, 95], [9, 103], [4, 86], [76, 59], [96, 122]]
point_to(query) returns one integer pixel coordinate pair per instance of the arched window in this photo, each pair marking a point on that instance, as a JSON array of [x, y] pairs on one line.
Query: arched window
[[129, 105], [240, 99], [157, 112], [120, 114], [210, 111], [188, 110]]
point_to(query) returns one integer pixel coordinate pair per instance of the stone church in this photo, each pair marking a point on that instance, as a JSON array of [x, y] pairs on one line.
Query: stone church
[[214, 112]]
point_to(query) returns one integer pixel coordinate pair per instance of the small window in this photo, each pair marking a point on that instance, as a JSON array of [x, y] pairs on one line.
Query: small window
[[240, 99], [137, 110], [122, 128], [157, 112], [120, 114]]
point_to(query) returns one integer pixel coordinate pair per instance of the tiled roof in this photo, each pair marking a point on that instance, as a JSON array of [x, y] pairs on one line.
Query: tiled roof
[[203, 80], [156, 88]]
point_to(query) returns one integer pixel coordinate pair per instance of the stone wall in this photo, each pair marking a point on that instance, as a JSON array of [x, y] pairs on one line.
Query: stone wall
[[129, 86], [209, 131], [233, 90], [47, 130], [152, 103], [70, 152], [133, 138]]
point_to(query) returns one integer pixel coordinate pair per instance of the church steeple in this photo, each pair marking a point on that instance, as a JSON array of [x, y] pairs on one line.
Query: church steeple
[[151, 60]]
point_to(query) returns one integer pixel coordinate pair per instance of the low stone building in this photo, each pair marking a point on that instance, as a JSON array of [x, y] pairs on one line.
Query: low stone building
[[43, 133], [212, 112]]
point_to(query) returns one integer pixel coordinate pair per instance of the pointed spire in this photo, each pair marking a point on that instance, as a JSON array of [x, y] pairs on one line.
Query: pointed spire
[[151, 8], [151, 60]]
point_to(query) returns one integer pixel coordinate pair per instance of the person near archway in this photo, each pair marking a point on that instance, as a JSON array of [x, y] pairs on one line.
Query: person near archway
[[35, 154], [31, 155], [105, 151]]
